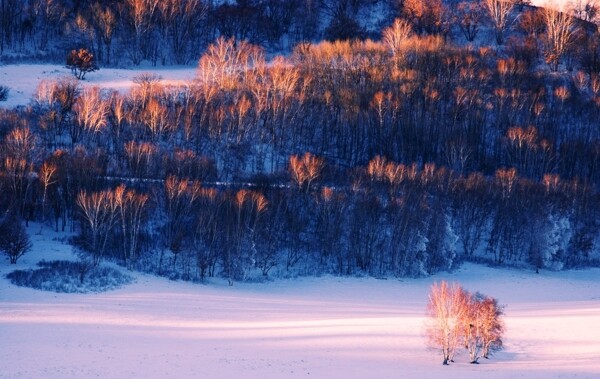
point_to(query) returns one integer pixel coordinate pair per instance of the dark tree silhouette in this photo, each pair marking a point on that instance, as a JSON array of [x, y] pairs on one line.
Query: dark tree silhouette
[[14, 241], [81, 62]]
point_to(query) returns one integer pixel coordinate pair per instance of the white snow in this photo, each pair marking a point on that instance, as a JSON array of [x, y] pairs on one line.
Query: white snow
[[324, 327], [23, 79]]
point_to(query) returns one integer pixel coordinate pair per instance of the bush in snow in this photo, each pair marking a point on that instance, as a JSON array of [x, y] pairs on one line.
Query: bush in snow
[[4, 92], [65, 276], [14, 241]]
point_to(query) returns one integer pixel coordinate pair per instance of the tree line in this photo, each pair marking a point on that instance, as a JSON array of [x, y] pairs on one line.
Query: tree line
[[122, 32]]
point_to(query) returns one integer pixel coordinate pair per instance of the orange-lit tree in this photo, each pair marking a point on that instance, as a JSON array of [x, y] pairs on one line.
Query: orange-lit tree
[[446, 310]]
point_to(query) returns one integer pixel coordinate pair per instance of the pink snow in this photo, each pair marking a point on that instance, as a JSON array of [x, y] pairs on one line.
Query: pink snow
[[326, 327]]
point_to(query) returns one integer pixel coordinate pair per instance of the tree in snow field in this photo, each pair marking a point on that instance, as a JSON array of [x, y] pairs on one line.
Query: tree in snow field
[[456, 316], [492, 325], [81, 62], [14, 241], [447, 309], [483, 327]]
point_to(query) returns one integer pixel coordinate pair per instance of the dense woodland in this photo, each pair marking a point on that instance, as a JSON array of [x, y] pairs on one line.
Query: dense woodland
[[451, 136]]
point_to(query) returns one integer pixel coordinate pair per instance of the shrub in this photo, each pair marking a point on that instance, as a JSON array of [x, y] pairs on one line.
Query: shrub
[[4, 92], [65, 277], [14, 241]]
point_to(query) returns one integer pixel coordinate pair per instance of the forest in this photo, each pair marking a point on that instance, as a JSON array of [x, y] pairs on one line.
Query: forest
[[457, 131]]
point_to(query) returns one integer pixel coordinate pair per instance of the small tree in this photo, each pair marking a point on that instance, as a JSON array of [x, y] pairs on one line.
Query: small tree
[[492, 325], [14, 241], [81, 62]]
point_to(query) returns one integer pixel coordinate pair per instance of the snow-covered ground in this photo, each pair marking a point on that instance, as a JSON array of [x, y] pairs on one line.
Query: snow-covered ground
[[325, 327], [23, 79]]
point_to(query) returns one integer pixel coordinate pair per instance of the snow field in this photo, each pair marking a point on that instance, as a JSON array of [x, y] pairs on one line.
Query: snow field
[[325, 327], [23, 79]]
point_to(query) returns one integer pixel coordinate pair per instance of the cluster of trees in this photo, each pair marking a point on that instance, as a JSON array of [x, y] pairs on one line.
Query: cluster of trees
[[177, 31], [457, 317], [132, 29], [171, 31]]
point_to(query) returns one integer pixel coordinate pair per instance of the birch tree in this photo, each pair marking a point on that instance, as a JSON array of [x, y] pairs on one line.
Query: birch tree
[[499, 12], [446, 310], [560, 35]]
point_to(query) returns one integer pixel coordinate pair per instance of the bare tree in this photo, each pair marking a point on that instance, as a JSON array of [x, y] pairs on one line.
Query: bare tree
[[467, 14], [141, 158], [91, 112], [180, 197], [446, 310], [227, 61], [483, 326], [131, 207], [456, 316], [306, 169], [99, 212], [499, 12], [492, 325], [14, 241], [18, 153], [396, 35], [47, 176], [55, 101], [428, 17], [141, 14], [106, 21], [181, 19], [560, 35]]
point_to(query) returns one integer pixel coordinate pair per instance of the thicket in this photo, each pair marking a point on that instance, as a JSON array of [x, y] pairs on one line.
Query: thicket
[[400, 157], [65, 277], [124, 32]]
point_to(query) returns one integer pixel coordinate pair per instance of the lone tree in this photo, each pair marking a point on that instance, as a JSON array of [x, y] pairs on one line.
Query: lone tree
[[14, 241], [81, 62]]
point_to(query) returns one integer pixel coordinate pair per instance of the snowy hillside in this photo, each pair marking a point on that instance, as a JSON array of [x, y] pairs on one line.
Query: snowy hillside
[[325, 327]]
